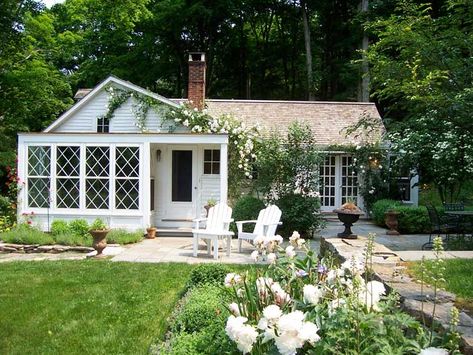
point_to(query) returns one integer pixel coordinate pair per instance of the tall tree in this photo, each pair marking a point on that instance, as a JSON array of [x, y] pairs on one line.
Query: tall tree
[[308, 51]]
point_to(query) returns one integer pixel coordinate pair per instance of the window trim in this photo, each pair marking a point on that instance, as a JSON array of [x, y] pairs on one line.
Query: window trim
[[28, 176], [211, 162]]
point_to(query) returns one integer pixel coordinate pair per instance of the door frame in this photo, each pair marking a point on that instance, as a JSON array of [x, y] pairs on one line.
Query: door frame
[[181, 210]]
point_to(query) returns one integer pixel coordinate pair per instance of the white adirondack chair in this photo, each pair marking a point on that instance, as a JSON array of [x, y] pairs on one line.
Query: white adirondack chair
[[266, 224], [217, 227]]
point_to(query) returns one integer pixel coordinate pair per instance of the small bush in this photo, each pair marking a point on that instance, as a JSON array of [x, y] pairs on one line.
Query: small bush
[[79, 227], [98, 224], [59, 226], [208, 274], [202, 307], [299, 213], [25, 234], [246, 208], [122, 236], [73, 240]]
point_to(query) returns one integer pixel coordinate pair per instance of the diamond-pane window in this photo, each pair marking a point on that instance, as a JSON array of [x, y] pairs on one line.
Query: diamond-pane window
[[127, 173], [97, 184], [67, 177], [39, 166]]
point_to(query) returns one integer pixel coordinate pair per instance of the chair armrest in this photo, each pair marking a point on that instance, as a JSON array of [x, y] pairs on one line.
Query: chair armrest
[[272, 224], [197, 222], [239, 224]]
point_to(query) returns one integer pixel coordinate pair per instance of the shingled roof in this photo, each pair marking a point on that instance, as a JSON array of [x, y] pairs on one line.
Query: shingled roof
[[328, 120]]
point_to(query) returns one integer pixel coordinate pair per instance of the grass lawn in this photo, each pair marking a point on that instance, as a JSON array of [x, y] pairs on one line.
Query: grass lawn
[[458, 278], [86, 307]]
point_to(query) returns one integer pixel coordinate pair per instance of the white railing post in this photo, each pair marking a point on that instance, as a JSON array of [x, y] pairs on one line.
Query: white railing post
[[223, 172]]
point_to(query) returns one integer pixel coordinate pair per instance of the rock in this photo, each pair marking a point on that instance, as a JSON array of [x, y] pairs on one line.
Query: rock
[[413, 291], [45, 248], [7, 249], [81, 249]]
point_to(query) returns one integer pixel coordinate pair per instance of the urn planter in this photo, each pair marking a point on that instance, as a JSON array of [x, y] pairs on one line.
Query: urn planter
[[348, 218], [390, 218], [100, 240], [151, 233]]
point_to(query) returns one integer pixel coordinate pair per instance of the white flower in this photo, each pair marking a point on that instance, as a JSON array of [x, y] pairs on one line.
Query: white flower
[[312, 294], [272, 313], [308, 332], [242, 334], [255, 255], [288, 343], [290, 253], [232, 279], [234, 309], [291, 322], [433, 351], [371, 294], [281, 296], [271, 258], [296, 240]]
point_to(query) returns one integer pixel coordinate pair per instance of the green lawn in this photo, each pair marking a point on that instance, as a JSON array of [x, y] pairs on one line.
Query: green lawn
[[458, 280], [86, 307]]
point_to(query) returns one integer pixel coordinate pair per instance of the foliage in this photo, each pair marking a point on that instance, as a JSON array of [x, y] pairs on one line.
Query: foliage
[[26, 234], [73, 240], [420, 72], [246, 208], [303, 303], [79, 227], [124, 305], [98, 224], [299, 213], [122, 236], [5, 224], [380, 207], [208, 274], [59, 226]]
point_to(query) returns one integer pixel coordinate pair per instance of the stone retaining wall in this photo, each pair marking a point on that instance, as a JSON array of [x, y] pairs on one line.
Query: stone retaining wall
[[36, 248], [388, 268]]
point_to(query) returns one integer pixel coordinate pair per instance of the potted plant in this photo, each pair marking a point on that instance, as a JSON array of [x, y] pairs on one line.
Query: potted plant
[[99, 231], [151, 232], [210, 203], [348, 214]]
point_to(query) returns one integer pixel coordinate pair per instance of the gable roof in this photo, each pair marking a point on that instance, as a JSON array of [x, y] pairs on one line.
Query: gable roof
[[89, 95], [328, 120]]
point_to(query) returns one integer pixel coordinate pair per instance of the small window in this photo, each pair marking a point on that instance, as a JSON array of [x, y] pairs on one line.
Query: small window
[[212, 161], [103, 125]]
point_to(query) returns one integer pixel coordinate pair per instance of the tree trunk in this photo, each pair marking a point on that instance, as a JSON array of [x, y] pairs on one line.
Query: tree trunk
[[364, 93], [308, 51]]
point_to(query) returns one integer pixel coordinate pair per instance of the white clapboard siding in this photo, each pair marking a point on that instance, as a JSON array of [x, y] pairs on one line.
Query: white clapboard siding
[[210, 189], [124, 121]]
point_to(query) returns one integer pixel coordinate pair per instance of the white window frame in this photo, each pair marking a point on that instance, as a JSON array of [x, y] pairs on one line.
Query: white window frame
[[28, 176], [138, 178], [212, 162], [93, 177], [80, 177]]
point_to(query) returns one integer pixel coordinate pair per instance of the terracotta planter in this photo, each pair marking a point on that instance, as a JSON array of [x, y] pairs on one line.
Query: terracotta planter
[[390, 218], [100, 240], [151, 233], [348, 218]]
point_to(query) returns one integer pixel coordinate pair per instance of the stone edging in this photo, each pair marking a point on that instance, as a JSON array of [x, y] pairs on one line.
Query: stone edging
[[388, 269], [36, 248]]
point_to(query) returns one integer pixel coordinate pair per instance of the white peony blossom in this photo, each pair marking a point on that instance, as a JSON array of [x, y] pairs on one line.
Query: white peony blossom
[[434, 351], [312, 294], [242, 334], [271, 258], [272, 313], [255, 255], [234, 309]]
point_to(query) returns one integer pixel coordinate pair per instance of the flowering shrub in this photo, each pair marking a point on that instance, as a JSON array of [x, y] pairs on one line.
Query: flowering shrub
[[303, 304], [242, 138]]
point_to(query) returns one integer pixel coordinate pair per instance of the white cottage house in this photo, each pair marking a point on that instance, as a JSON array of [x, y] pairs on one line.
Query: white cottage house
[[83, 166]]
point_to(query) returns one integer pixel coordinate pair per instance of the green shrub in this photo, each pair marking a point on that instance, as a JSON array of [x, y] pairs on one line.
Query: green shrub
[[25, 234], [98, 224], [79, 227], [299, 213], [411, 219], [246, 208], [73, 240], [380, 207], [122, 236], [208, 274], [202, 306], [60, 226]]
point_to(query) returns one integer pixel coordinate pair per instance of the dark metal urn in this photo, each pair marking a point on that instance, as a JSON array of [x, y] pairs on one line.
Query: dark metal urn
[[348, 218]]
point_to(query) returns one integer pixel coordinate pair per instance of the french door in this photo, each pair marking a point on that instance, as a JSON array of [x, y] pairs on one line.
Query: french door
[[338, 182]]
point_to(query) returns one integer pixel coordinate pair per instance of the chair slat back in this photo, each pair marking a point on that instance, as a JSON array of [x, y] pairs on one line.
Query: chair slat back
[[433, 216], [270, 215], [459, 206], [218, 218]]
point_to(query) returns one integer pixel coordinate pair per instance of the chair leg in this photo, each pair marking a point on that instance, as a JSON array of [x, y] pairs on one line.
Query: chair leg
[[215, 242], [195, 245], [229, 244], [239, 245], [209, 246]]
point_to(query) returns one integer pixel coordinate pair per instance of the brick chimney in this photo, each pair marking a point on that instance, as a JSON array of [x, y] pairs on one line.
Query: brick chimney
[[196, 88]]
